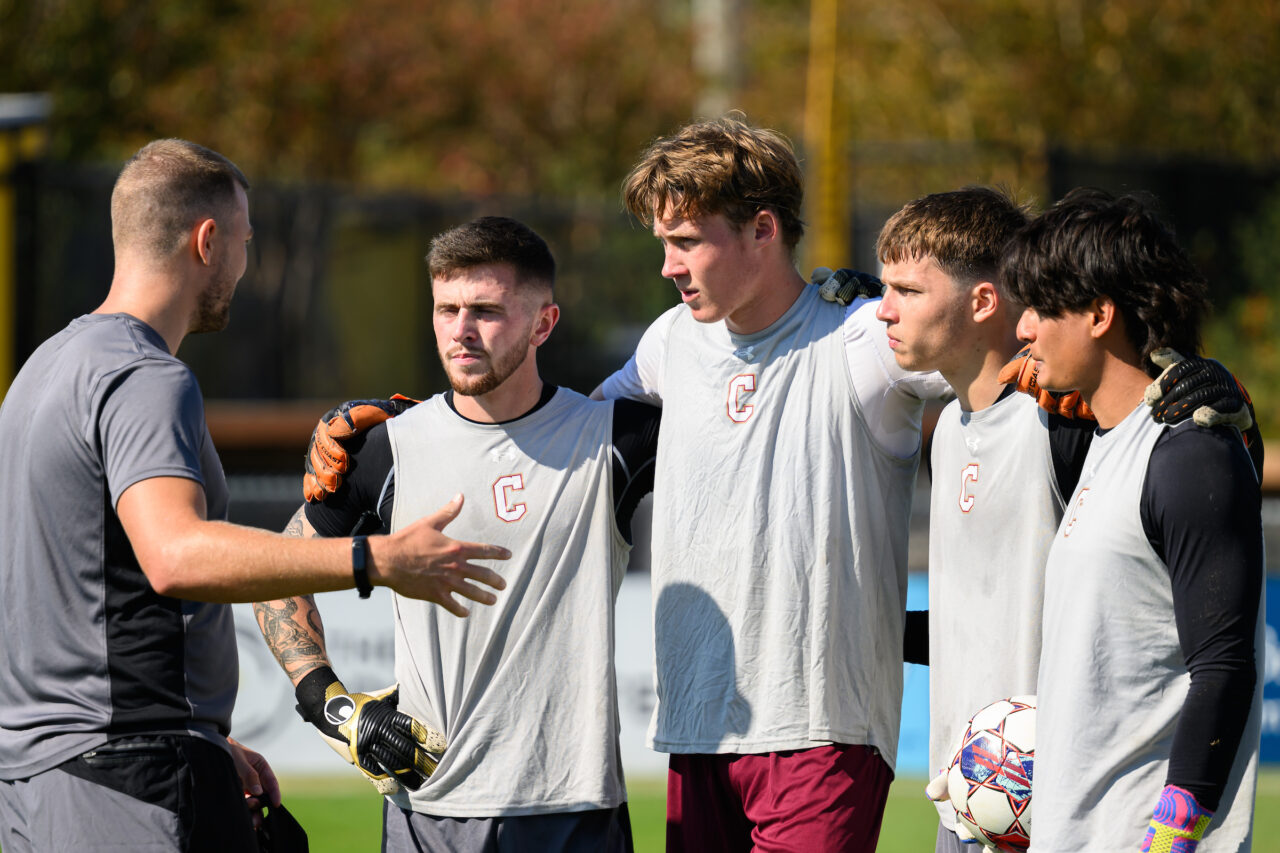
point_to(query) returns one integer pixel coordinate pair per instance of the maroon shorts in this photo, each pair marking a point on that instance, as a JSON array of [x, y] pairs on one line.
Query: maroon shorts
[[809, 800]]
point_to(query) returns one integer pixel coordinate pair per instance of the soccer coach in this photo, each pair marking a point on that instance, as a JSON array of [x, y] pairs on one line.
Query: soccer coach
[[120, 676]]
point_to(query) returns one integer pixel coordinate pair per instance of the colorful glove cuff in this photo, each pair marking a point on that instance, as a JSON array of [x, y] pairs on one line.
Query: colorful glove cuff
[[1178, 824]]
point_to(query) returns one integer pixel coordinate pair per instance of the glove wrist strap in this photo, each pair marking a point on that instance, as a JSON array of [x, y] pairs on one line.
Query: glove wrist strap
[[311, 694]]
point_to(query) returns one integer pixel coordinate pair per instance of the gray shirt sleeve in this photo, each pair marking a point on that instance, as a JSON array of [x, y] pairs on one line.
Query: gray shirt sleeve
[[148, 422]]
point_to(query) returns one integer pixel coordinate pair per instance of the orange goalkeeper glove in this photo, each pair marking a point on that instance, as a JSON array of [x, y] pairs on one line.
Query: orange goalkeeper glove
[[326, 459], [1021, 373]]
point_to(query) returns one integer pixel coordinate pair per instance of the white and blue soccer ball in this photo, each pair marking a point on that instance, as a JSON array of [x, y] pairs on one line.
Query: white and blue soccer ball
[[989, 781]]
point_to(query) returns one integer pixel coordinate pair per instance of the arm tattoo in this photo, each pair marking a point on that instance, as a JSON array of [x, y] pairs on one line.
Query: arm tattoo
[[295, 527], [298, 647]]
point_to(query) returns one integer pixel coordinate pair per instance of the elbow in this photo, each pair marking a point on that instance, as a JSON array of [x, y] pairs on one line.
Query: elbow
[[164, 578], [167, 569]]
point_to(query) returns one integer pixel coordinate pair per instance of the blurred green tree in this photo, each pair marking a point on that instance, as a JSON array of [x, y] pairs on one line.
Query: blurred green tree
[[509, 96]]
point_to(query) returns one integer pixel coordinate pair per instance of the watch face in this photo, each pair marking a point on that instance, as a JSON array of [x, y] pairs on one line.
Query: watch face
[[339, 709]]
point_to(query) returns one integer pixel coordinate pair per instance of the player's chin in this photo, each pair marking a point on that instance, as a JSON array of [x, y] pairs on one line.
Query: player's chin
[[909, 360]]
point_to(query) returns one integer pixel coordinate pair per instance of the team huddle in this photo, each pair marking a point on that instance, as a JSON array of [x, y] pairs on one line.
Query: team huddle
[[1098, 491]]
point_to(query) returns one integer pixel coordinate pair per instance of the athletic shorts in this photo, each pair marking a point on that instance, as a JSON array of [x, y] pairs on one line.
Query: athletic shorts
[[949, 842], [594, 831], [145, 794], [825, 798]]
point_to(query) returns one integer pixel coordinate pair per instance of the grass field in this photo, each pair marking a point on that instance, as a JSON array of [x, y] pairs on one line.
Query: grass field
[[344, 815]]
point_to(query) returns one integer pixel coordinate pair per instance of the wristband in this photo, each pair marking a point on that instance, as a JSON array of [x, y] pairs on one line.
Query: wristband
[[360, 565]]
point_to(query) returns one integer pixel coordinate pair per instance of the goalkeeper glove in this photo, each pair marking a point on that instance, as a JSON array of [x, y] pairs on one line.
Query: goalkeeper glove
[[1178, 824], [937, 791], [844, 285], [1199, 387], [366, 729], [326, 459], [1021, 372]]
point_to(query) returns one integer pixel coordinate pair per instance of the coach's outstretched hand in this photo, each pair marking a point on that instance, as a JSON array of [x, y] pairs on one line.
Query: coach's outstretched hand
[[390, 747], [420, 561], [326, 459]]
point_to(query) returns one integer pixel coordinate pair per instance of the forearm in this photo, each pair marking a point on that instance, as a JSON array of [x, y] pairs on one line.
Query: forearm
[[292, 626], [1209, 732], [221, 562], [295, 634]]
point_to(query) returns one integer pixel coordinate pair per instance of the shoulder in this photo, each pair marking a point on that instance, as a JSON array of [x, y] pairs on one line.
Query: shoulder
[[631, 416], [1188, 452]]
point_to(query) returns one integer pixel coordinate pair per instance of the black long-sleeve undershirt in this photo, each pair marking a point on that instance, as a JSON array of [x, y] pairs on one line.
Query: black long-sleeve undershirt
[[1201, 511]]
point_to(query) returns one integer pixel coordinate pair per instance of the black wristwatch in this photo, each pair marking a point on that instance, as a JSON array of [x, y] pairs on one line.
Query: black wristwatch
[[360, 565]]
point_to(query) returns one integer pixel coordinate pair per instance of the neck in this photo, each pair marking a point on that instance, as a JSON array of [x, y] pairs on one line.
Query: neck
[[1118, 391], [978, 387], [775, 294], [976, 379], [153, 295], [508, 401]]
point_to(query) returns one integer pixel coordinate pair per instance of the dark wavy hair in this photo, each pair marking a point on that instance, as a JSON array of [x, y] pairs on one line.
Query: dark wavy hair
[[1092, 244]]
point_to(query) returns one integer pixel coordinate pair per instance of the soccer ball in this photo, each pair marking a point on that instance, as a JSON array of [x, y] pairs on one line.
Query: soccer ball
[[989, 781]]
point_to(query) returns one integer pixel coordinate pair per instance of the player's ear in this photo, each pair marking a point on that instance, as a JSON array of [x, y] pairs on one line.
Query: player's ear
[[548, 316], [202, 236], [984, 300], [764, 227], [1103, 316]]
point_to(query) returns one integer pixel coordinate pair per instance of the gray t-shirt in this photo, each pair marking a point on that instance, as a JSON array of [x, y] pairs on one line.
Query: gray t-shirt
[[92, 651]]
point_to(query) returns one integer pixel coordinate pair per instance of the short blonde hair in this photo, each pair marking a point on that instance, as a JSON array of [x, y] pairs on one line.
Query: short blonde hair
[[165, 189], [723, 166]]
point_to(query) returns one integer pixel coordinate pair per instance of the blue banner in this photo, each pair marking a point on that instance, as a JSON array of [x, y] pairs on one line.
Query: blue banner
[[913, 744], [1271, 677]]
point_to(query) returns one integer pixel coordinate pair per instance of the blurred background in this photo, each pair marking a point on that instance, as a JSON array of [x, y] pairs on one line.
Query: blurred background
[[367, 128]]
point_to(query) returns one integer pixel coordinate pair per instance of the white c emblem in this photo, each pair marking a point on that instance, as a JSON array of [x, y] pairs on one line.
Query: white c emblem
[[740, 412], [503, 503]]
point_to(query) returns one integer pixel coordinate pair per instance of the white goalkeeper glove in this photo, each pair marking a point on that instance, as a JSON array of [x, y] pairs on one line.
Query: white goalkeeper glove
[[389, 746], [843, 286], [936, 790]]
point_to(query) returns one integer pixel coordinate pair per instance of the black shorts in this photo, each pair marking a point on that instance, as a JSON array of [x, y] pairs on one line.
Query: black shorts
[[142, 793]]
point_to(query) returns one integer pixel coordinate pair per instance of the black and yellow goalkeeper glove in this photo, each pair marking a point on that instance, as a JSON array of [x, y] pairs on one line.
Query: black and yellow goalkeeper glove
[[390, 747]]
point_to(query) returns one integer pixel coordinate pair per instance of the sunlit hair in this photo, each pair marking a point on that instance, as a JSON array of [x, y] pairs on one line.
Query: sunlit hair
[[164, 190], [493, 240], [724, 166], [964, 231], [1092, 244]]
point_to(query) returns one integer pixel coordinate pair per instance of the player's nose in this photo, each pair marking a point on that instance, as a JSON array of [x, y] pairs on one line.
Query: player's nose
[[1027, 325]]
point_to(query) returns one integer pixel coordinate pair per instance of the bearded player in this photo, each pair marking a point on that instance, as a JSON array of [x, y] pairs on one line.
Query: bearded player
[[523, 692]]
